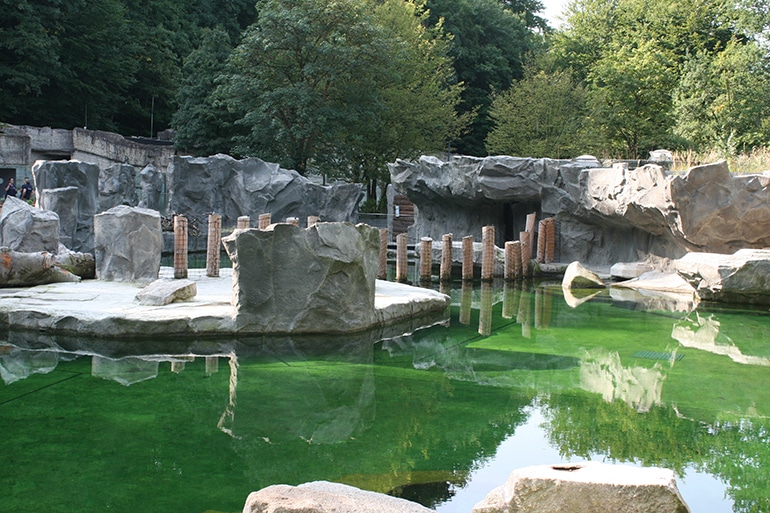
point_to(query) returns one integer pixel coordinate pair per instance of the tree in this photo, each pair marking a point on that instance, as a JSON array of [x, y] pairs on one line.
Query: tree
[[723, 102], [489, 46], [539, 116], [203, 124], [324, 83]]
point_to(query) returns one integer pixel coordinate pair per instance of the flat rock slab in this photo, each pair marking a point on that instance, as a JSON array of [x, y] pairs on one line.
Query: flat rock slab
[[164, 291], [588, 487], [326, 497], [96, 308], [576, 276], [743, 277]]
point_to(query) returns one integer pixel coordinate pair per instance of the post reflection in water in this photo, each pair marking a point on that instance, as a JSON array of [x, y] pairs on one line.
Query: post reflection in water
[[485, 309], [466, 301], [511, 298]]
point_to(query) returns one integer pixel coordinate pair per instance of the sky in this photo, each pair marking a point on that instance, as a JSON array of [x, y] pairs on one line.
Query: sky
[[553, 9]]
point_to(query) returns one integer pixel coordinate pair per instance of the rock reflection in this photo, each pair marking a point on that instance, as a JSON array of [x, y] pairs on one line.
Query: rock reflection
[[704, 333]]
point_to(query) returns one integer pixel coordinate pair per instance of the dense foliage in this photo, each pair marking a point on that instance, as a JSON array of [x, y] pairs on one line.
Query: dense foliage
[[342, 87]]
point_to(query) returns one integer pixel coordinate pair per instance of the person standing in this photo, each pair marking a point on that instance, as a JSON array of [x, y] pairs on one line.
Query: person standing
[[26, 189], [10, 189]]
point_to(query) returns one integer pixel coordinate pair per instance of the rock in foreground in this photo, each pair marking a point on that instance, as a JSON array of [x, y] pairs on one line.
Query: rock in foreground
[[743, 277], [586, 488]]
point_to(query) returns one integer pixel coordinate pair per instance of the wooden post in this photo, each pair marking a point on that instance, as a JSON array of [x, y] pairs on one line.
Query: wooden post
[[445, 274], [213, 245], [487, 253], [264, 221], [468, 257], [243, 223], [313, 220], [180, 246], [526, 253], [509, 273], [550, 240], [402, 264], [485, 309], [541, 236], [382, 270], [531, 220], [426, 258]]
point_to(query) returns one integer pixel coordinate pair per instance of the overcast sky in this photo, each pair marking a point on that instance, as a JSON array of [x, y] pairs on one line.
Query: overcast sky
[[553, 9]]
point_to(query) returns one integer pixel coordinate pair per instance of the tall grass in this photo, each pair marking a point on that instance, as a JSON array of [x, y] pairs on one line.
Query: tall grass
[[755, 161]]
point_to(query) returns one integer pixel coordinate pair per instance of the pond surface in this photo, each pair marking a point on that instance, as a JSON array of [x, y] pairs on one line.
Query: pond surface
[[440, 416]]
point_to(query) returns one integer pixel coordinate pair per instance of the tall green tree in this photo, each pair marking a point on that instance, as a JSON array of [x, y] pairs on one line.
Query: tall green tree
[[489, 45], [330, 84], [541, 115]]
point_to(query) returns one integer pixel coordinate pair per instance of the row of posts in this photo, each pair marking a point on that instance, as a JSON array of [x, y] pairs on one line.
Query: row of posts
[[214, 237], [518, 253]]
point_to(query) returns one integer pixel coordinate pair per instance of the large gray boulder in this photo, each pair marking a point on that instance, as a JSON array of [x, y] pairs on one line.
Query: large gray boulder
[[117, 186], [25, 228], [586, 487], [603, 215], [316, 280], [70, 188], [326, 497], [128, 244], [743, 277], [249, 187]]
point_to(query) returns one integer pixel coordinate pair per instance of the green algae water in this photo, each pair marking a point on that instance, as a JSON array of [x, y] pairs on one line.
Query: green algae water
[[440, 416]]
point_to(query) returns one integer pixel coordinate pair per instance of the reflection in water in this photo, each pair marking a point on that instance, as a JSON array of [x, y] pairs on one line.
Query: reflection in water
[[601, 372], [703, 332], [416, 413]]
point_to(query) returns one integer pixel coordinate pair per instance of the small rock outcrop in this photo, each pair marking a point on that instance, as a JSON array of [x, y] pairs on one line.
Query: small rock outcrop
[[326, 497], [588, 488], [27, 229], [316, 280], [743, 277], [117, 186], [128, 244], [165, 291], [577, 276], [27, 269]]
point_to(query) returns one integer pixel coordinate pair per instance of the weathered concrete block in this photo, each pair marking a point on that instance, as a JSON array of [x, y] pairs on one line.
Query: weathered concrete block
[[128, 244], [292, 280], [163, 292], [326, 497], [588, 487], [27, 229]]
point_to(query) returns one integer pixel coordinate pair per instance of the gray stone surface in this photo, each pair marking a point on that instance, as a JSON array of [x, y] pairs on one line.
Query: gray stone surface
[[294, 280], [128, 244], [628, 270], [577, 276], [117, 186], [70, 188], [164, 291], [326, 497], [603, 215], [25, 228], [587, 487], [152, 181], [249, 187], [743, 277]]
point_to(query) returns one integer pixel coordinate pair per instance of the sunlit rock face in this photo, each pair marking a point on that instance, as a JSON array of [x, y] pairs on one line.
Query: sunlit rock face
[[316, 280], [25, 228], [128, 244], [249, 187], [603, 215], [743, 277]]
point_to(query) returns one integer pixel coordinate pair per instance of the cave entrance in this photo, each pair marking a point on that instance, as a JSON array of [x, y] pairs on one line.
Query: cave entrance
[[515, 218]]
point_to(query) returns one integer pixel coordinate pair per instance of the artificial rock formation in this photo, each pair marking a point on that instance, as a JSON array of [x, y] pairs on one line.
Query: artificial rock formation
[[743, 277], [588, 487], [25, 228], [70, 188], [249, 187], [603, 215], [27, 269], [165, 291], [326, 497], [128, 244], [576, 276], [117, 186], [316, 280]]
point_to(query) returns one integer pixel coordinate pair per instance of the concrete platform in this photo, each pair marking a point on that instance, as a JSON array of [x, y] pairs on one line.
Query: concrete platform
[[94, 308]]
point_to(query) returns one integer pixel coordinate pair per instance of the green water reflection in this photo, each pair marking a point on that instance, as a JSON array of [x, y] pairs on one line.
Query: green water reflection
[[440, 416]]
